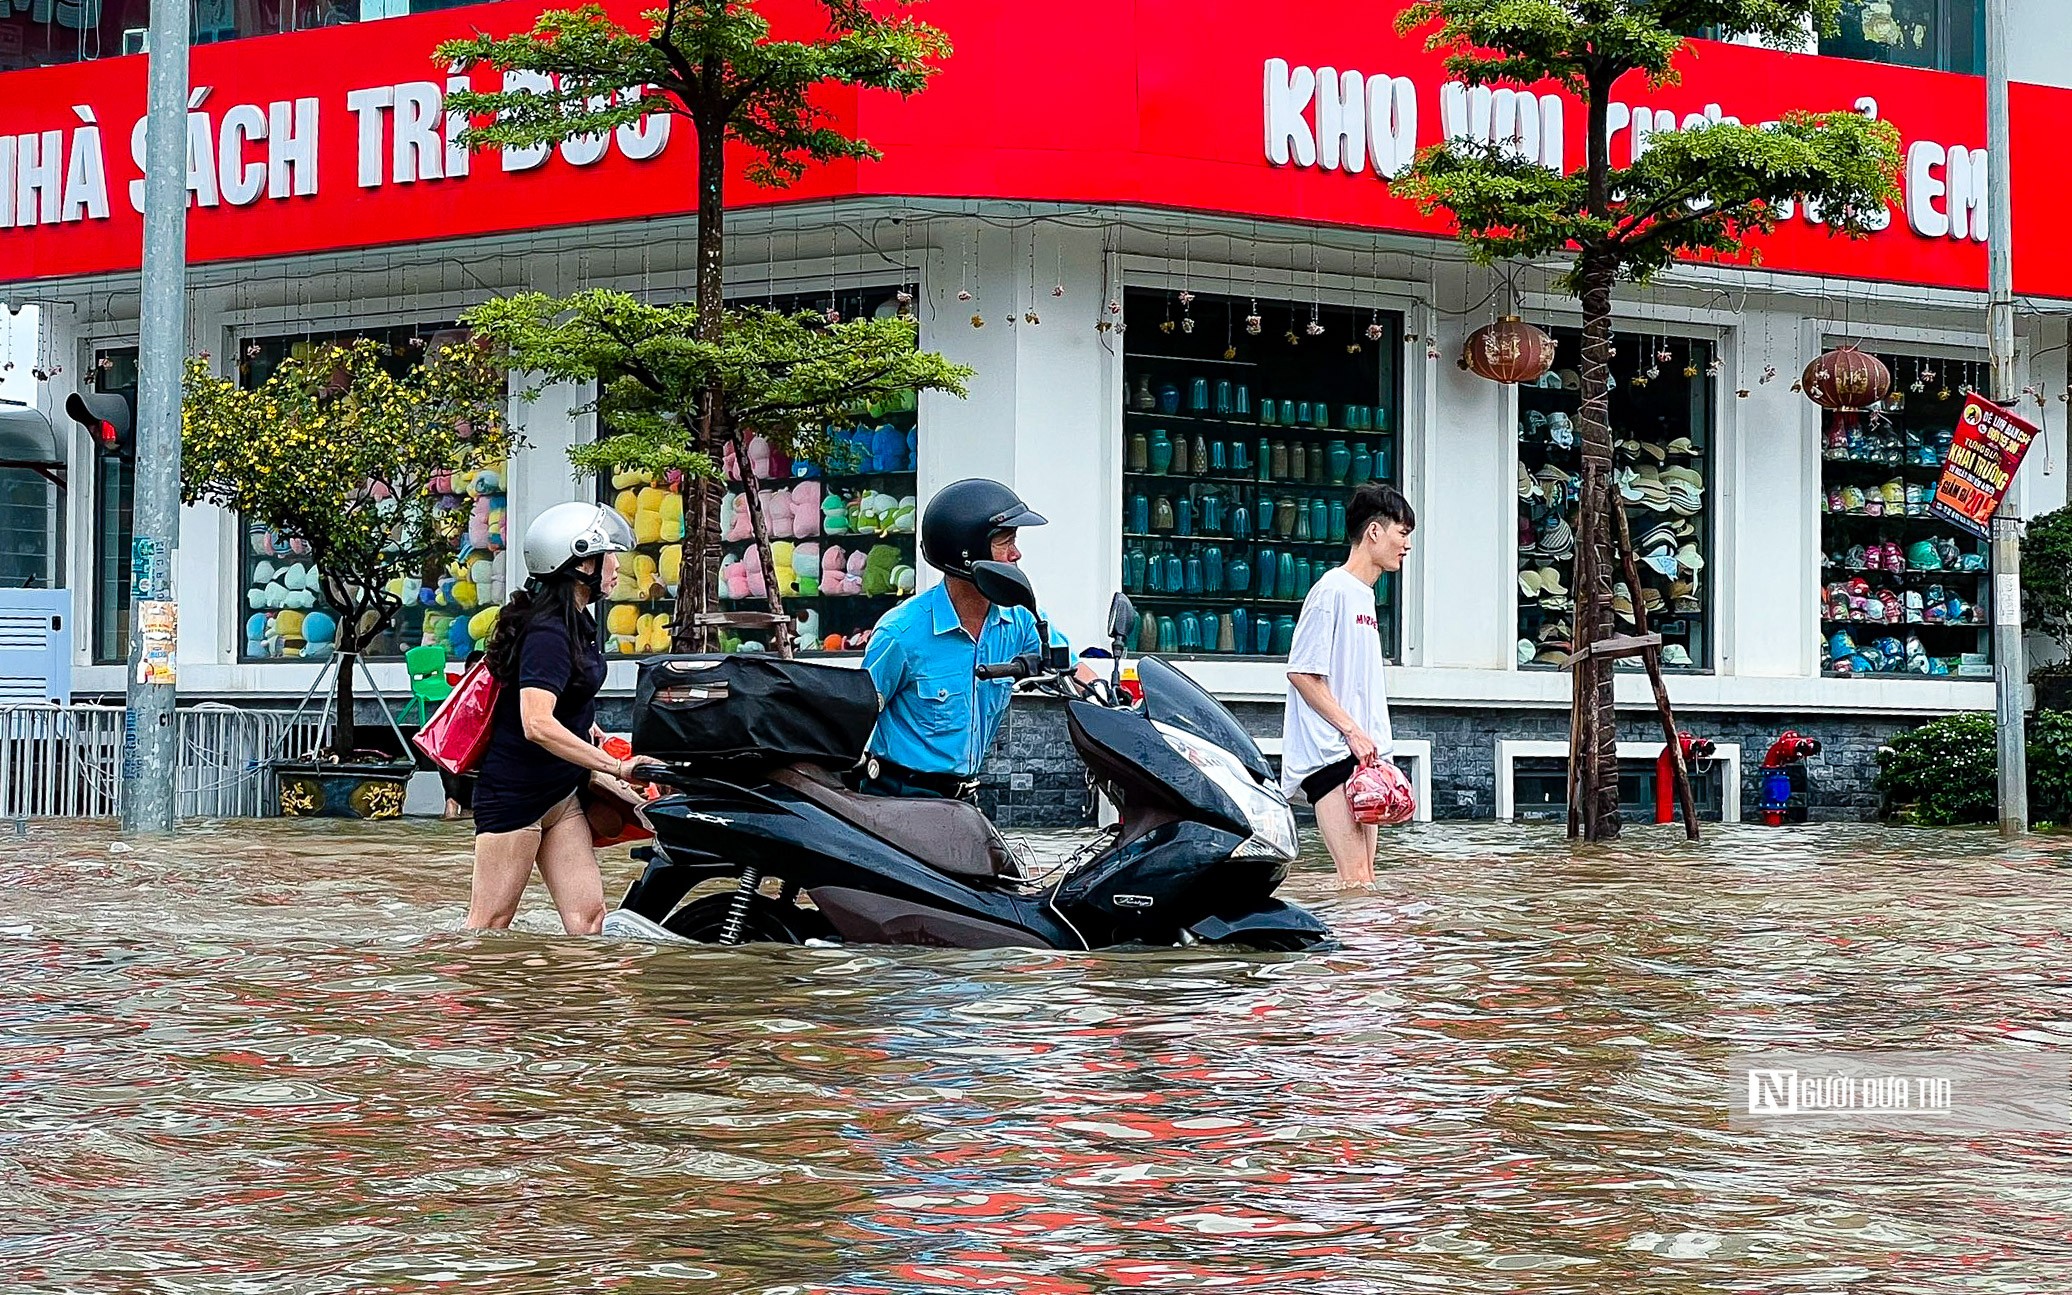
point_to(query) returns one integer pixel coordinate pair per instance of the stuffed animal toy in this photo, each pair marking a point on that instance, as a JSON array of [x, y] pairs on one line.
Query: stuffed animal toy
[[264, 572], [888, 449], [903, 517], [780, 562], [261, 541], [497, 529], [832, 643], [656, 637], [879, 565], [834, 514], [623, 620], [733, 578], [759, 458], [805, 562], [255, 633], [458, 641], [858, 560], [735, 522], [288, 625], [805, 510], [752, 563], [647, 576], [903, 580], [283, 547], [478, 525], [670, 569], [627, 503], [629, 478], [437, 628], [487, 482], [809, 627], [777, 512], [672, 515], [482, 624], [834, 573], [647, 519]]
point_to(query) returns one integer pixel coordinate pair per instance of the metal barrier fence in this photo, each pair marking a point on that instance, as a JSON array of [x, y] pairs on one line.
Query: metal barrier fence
[[66, 761]]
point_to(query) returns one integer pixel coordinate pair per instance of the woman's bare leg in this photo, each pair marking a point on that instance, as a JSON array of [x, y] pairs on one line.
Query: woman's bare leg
[[568, 864], [503, 864]]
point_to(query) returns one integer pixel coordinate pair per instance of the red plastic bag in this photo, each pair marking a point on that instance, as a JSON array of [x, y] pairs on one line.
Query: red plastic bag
[[458, 732], [1378, 793]]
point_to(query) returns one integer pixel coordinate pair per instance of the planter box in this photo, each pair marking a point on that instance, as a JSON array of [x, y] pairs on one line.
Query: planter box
[[306, 789]]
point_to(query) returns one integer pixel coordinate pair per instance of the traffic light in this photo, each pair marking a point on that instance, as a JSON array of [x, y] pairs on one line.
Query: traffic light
[[110, 416]]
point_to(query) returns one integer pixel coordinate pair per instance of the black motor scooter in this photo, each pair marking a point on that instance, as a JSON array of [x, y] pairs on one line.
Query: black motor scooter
[[1203, 839]]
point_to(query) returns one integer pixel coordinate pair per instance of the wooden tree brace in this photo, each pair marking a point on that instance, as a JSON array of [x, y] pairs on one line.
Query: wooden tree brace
[[1623, 645], [742, 620]]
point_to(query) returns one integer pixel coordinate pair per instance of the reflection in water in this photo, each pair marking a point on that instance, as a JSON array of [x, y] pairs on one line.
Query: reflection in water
[[262, 1058]]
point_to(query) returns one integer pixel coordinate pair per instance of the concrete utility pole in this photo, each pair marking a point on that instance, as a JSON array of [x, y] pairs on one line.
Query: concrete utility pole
[[2010, 665], [150, 733]]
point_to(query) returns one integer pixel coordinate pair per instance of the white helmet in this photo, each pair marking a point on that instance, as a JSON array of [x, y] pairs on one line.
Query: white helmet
[[568, 533]]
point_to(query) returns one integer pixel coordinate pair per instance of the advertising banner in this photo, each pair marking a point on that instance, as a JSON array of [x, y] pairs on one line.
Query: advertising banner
[[1984, 455]]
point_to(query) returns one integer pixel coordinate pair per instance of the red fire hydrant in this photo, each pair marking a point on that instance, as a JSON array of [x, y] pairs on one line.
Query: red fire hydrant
[[1694, 749], [1786, 758]]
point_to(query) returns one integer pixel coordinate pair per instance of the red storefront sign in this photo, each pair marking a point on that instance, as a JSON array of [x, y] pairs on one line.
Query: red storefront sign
[[336, 139], [1987, 450]]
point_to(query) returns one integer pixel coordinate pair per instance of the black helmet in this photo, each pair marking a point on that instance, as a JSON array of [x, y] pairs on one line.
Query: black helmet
[[961, 520]]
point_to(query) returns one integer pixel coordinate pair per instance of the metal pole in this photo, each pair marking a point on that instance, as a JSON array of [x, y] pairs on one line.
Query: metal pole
[[2010, 670], [150, 743]]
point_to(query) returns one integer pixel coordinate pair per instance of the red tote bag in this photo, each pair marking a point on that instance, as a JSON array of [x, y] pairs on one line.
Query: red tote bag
[[458, 732]]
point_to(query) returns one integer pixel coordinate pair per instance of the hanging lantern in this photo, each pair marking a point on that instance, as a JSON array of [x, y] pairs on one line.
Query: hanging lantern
[[1846, 378], [1510, 350]]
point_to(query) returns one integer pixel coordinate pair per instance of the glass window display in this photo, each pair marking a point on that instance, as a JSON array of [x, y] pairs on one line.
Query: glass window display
[[451, 603], [1661, 418], [841, 532], [1901, 593], [1245, 433]]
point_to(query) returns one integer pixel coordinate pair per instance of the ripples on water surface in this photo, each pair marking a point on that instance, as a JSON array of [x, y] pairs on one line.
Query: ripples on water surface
[[261, 1059]]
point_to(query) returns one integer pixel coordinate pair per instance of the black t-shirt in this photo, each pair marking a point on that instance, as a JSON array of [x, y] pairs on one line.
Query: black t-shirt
[[518, 780]]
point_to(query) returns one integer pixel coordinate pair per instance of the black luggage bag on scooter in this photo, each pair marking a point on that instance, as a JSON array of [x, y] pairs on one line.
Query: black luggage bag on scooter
[[744, 712]]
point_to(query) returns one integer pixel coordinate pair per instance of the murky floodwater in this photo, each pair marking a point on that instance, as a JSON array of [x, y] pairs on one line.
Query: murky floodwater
[[262, 1060]]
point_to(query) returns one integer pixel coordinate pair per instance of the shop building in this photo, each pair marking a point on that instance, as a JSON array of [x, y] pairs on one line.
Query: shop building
[[1198, 318]]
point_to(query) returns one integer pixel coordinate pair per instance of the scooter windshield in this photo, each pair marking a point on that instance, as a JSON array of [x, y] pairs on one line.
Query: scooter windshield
[[1172, 698]]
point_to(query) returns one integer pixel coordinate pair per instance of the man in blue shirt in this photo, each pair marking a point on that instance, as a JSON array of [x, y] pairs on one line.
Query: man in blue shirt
[[936, 717]]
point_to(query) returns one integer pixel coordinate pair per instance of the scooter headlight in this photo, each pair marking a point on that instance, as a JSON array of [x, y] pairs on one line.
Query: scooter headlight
[[1265, 809]]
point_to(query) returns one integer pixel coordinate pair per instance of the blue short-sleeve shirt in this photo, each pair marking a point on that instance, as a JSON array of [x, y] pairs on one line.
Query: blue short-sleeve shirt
[[936, 715]]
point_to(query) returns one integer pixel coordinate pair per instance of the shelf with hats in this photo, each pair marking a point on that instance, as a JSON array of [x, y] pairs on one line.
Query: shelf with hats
[[1661, 410], [1903, 594], [1246, 434]]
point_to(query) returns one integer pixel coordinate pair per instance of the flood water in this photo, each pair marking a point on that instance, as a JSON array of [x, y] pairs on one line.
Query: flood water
[[263, 1059]]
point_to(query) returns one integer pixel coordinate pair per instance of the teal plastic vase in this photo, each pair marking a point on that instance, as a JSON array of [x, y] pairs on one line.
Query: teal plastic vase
[[1268, 570], [1361, 470]]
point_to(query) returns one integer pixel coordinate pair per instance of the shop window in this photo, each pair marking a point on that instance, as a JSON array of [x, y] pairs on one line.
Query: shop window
[[1241, 451], [1949, 35], [1539, 789], [1661, 419], [1901, 592], [285, 613], [114, 493], [842, 531]]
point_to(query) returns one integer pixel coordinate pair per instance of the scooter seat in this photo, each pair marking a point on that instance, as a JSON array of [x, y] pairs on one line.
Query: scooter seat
[[951, 836]]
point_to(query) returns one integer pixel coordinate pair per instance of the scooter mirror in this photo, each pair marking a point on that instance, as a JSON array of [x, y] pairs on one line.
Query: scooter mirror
[[1122, 618], [1003, 584]]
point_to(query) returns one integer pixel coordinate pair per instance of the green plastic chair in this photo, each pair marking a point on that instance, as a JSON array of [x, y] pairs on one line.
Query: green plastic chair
[[428, 686]]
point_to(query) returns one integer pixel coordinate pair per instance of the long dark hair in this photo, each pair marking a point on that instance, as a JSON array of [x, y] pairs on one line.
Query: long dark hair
[[563, 598]]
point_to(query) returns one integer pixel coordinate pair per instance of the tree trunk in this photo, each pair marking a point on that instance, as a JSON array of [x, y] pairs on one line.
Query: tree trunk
[[1597, 738], [752, 500], [711, 294], [695, 584]]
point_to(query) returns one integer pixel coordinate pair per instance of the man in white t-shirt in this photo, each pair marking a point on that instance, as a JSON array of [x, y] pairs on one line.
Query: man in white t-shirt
[[1338, 708]]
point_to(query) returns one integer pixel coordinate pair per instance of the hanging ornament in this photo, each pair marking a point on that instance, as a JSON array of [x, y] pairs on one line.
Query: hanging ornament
[[903, 297], [1714, 366], [963, 294], [1058, 290], [833, 316], [1230, 352], [1253, 323], [1187, 323], [1375, 332], [1432, 351], [978, 321], [1186, 298], [1769, 374], [1114, 306], [1508, 351], [1846, 378], [1663, 356]]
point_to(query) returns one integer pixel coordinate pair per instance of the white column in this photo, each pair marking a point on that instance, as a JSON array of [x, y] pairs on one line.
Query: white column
[[541, 476], [211, 552], [1043, 407], [1765, 555], [1466, 547]]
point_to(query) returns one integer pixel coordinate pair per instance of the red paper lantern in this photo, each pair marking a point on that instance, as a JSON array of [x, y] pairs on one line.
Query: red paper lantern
[[1846, 378], [1510, 350]]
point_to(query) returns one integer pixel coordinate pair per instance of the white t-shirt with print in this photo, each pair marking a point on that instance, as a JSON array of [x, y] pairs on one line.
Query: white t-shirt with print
[[1337, 636]]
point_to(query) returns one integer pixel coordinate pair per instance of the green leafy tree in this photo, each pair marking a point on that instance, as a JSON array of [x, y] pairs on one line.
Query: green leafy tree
[[714, 64], [2047, 578], [788, 376], [338, 450], [1690, 193]]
